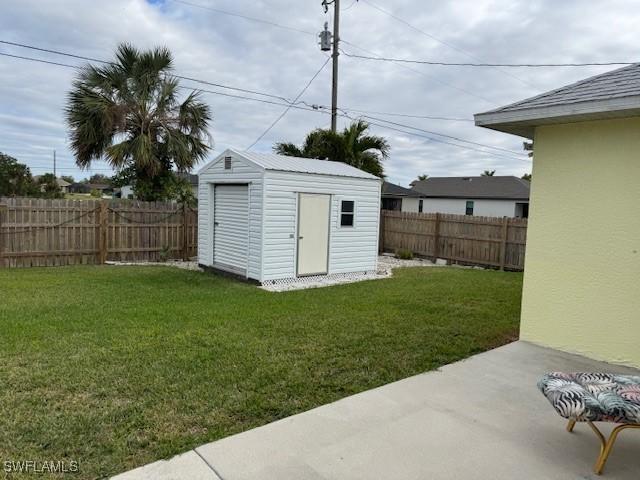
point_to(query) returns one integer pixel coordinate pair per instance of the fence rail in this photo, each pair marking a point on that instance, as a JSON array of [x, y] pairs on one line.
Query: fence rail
[[39, 232], [487, 241]]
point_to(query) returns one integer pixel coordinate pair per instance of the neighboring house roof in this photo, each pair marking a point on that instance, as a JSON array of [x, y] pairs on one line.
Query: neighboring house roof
[[614, 94], [393, 190], [496, 188], [272, 161], [62, 183]]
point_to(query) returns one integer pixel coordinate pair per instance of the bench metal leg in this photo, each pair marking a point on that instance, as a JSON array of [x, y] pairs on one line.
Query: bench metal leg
[[606, 445]]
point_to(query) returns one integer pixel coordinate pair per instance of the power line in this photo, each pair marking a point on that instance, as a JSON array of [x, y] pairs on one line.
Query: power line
[[442, 42], [37, 60], [91, 59], [437, 140], [350, 6], [409, 115], [284, 112], [246, 17], [312, 107], [469, 64], [431, 77], [458, 139]]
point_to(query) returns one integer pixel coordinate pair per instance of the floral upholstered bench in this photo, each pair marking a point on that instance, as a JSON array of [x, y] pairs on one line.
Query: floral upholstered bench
[[595, 397]]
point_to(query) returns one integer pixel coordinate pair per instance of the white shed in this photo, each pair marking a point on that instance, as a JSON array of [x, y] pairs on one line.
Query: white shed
[[271, 217]]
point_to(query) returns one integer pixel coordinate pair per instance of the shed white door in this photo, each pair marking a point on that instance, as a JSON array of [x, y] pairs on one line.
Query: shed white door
[[313, 233], [231, 227]]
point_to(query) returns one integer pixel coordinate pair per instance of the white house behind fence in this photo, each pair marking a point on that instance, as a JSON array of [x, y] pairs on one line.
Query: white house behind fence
[[488, 196], [271, 218]]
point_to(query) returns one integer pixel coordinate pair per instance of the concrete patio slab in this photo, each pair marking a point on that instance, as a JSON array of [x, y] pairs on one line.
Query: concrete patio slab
[[480, 418]]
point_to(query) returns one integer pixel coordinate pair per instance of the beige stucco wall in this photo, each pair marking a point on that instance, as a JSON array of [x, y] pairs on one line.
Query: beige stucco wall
[[582, 273]]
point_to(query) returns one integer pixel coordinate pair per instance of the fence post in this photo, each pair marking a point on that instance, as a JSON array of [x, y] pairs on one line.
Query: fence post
[[503, 243], [185, 233], [436, 238], [3, 208], [381, 233], [102, 232]]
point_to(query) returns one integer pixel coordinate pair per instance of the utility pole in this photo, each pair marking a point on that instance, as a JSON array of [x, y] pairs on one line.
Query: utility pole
[[54, 164], [334, 55]]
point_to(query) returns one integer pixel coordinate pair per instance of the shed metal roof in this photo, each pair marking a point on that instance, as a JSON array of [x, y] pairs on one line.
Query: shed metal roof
[[272, 161], [613, 94], [498, 188]]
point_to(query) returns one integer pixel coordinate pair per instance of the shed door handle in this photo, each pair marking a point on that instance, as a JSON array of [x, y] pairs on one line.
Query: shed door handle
[[215, 224], [300, 237]]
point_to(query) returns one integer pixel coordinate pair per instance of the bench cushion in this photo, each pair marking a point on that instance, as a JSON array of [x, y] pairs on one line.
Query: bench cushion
[[599, 397]]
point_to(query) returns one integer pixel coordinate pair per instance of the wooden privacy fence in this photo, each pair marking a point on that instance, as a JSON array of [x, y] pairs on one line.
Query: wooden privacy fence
[[39, 232], [488, 241]]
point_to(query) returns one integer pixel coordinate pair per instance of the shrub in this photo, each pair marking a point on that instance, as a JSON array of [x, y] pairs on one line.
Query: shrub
[[96, 193], [165, 253], [404, 254]]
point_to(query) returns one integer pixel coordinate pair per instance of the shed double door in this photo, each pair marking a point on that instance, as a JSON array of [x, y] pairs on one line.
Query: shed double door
[[231, 228], [313, 233]]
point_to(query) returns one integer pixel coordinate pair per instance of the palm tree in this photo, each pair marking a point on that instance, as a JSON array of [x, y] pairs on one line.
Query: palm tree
[[129, 113], [422, 177], [488, 173], [350, 146]]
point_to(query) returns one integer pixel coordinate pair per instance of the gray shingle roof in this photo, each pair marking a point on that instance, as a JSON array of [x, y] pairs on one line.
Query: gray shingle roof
[[623, 82], [393, 190], [503, 188], [614, 94]]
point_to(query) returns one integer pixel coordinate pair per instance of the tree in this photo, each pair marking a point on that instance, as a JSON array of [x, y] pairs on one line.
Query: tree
[[99, 179], [67, 178], [49, 187], [422, 177], [129, 113], [15, 178], [351, 146], [488, 173], [526, 176]]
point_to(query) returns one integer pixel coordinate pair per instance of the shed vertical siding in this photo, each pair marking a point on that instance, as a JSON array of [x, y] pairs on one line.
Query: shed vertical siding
[[241, 172], [350, 249]]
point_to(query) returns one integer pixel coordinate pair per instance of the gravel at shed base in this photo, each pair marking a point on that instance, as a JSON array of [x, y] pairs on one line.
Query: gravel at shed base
[[386, 264]]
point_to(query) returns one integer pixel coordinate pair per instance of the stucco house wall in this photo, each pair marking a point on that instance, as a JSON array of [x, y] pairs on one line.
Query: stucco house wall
[[582, 276]]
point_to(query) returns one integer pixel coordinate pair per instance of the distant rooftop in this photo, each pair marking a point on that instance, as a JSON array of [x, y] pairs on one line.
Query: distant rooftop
[[393, 190], [614, 94], [497, 188]]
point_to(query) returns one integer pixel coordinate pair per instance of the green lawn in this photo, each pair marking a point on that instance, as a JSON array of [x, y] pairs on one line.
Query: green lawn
[[116, 367]]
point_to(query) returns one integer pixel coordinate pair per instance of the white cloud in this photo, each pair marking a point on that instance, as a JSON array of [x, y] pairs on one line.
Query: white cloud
[[230, 50]]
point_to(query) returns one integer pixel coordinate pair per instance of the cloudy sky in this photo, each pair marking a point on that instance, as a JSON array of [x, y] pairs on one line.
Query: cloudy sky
[[235, 51]]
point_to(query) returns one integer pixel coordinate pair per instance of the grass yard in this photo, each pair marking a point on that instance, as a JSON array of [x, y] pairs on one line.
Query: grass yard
[[115, 367]]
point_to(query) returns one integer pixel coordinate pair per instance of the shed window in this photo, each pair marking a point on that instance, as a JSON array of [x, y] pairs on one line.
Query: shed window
[[469, 209], [347, 212], [420, 205], [227, 163]]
